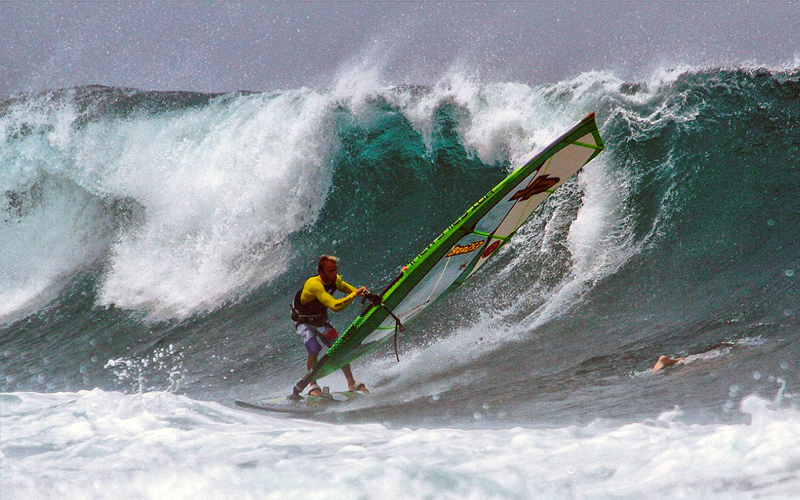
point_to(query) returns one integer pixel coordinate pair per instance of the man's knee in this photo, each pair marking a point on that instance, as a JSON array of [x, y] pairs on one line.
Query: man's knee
[[313, 347]]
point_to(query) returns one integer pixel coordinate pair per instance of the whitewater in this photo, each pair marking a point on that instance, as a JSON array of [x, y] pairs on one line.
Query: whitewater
[[108, 445], [151, 242]]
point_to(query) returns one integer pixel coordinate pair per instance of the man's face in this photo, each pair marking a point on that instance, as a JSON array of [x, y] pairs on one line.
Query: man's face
[[329, 272]]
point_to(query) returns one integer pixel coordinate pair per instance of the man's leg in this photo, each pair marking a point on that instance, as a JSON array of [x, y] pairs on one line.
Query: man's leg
[[311, 361], [348, 374]]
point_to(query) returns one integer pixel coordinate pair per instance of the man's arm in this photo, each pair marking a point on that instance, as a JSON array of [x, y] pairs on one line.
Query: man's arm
[[343, 286], [318, 290]]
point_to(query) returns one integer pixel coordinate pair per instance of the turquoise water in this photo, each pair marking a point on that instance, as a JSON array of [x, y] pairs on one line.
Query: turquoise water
[[151, 243]]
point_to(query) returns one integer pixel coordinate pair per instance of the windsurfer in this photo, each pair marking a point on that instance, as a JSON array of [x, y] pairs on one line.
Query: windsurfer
[[310, 314]]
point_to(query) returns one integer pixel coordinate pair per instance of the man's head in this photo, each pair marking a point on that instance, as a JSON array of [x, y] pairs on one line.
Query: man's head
[[328, 269]]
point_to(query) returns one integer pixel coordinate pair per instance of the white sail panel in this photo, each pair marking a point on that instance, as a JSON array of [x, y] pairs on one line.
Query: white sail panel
[[435, 282], [520, 203]]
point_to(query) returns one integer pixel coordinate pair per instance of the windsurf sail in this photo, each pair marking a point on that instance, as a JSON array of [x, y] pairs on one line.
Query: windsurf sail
[[463, 248]]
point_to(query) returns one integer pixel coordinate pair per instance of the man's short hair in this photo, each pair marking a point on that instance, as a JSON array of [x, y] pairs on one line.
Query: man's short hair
[[326, 258]]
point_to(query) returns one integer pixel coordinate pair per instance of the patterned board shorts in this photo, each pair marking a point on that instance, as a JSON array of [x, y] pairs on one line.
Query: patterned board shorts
[[310, 335]]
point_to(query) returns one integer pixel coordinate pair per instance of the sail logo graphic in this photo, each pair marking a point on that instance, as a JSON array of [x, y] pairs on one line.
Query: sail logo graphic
[[460, 250], [490, 249], [539, 185]]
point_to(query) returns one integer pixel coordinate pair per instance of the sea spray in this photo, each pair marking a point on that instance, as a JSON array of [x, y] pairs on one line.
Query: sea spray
[[160, 371]]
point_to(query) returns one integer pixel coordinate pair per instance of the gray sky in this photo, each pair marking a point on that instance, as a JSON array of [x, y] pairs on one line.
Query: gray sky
[[224, 46]]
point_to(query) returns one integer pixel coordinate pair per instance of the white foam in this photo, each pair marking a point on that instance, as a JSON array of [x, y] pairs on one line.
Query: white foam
[[503, 121], [219, 188], [159, 445], [231, 182]]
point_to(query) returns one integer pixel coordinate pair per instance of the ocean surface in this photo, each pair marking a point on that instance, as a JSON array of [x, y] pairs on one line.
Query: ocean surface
[[150, 244]]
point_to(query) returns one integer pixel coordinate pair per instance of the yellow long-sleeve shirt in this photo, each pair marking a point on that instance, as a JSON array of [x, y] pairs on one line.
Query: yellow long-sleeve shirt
[[315, 289]]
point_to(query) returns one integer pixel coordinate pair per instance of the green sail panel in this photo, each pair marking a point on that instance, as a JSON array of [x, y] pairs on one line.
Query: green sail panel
[[463, 248]]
